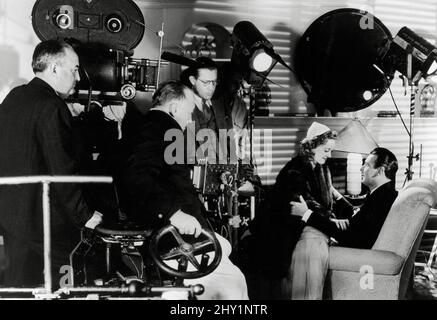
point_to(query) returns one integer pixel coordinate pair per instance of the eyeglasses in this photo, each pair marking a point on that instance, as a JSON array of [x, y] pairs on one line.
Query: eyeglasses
[[208, 82]]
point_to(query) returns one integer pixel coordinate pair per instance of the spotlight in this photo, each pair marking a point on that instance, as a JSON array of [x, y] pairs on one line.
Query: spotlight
[[408, 44], [415, 58], [252, 52], [254, 57], [261, 61]]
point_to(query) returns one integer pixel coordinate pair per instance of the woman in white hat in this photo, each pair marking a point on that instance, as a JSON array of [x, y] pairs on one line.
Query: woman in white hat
[[285, 238]]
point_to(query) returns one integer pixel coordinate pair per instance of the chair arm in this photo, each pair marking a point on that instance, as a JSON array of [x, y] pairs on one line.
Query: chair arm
[[349, 259]]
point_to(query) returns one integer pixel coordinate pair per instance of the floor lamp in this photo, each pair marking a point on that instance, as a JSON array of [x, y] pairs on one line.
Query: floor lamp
[[355, 141]]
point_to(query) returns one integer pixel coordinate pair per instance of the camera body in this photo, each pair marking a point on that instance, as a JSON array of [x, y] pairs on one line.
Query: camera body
[[104, 34]]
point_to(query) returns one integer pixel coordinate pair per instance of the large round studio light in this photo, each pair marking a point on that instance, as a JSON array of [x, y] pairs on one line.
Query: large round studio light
[[336, 61]]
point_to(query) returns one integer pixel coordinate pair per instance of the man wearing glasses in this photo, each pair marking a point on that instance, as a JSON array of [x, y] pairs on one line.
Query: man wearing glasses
[[218, 113]]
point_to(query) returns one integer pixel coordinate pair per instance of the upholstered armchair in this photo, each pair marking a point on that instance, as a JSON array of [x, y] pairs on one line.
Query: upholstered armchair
[[384, 272]]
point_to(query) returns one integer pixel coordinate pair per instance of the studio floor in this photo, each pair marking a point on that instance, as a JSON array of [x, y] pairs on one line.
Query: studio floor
[[425, 288], [425, 281]]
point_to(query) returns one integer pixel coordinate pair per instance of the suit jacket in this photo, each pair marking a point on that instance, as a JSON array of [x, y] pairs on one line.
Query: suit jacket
[[229, 113], [366, 224], [152, 189], [36, 139]]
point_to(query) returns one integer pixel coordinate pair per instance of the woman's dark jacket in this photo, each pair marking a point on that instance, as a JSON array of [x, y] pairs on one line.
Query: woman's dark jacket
[[275, 231]]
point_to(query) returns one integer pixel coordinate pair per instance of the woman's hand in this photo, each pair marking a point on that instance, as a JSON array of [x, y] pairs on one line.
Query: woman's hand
[[342, 224]]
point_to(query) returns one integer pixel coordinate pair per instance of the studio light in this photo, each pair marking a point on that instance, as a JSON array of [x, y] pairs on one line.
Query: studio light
[[261, 61], [254, 58], [253, 53], [411, 55], [415, 58]]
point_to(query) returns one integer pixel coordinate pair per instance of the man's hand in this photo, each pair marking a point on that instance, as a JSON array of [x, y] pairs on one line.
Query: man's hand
[[342, 224], [95, 220], [298, 208], [76, 109], [185, 223]]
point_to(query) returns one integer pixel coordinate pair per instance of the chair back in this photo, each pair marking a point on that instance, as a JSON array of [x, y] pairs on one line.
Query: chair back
[[407, 217]]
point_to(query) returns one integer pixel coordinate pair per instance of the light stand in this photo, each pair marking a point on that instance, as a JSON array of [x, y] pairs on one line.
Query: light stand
[[160, 34], [421, 57], [413, 90], [252, 106], [253, 53]]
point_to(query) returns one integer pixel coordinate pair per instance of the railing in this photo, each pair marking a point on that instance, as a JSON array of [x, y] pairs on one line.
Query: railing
[[47, 290]]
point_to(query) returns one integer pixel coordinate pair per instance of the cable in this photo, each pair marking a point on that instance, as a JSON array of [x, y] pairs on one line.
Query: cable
[[156, 32], [90, 90], [397, 109]]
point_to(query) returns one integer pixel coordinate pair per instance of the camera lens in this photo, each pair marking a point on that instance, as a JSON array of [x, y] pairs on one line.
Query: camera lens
[[114, 23]]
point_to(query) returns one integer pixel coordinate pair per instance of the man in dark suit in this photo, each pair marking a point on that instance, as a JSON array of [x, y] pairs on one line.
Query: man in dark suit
[[36, 139], [359, 230], [156, 185]]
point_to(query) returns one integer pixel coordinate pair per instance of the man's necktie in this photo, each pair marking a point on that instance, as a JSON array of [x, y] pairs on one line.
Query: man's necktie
[[206, 111]]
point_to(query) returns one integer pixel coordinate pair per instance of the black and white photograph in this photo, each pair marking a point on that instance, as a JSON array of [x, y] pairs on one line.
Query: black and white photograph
[[221, 156]]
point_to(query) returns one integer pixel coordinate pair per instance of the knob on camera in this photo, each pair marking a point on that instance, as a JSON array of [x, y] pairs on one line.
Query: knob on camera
[[114, 23], [63, 17], [128, 91]]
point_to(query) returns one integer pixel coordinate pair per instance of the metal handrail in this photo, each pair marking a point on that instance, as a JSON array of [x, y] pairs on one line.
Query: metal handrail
[[46, 180]]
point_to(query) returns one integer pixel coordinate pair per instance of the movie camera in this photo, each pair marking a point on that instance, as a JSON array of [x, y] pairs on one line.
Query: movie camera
[[104, 34]]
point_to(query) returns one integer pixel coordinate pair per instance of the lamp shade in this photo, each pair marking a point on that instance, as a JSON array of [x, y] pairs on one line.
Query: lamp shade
[[353, 174], [354, 138]]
